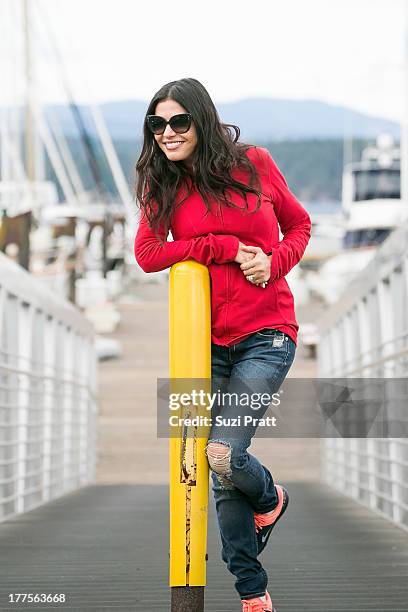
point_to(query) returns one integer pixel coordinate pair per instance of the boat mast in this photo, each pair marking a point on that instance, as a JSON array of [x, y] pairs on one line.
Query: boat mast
[[404, 118], [29, 118], [25, 218]]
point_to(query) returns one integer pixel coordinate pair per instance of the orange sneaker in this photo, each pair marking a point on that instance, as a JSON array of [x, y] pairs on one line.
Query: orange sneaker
[[264, 523], [259, 604]]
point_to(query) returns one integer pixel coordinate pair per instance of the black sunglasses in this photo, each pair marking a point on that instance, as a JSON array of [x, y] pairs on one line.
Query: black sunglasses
[[179, 123]]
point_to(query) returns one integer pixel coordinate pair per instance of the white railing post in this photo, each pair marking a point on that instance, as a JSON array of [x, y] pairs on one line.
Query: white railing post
[[365, 340], [83, 413], [396, 480], [24, 322], [67, 407], [387, 331], [49, 401]]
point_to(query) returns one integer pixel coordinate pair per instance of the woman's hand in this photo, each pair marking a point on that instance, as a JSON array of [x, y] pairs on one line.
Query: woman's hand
[[243, 256], [259, 267]]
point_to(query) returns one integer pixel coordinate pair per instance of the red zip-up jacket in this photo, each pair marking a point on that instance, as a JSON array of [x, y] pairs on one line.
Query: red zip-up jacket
[[238, 307]]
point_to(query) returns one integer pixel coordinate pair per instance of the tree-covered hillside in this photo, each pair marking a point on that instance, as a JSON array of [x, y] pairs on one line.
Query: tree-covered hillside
[[312, 168]]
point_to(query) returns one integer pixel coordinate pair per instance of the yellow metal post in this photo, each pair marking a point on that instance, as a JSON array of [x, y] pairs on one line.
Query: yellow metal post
[[190, 358]]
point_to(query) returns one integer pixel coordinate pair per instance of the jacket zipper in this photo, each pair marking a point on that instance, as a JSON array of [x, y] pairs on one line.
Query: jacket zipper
[[227, 285]]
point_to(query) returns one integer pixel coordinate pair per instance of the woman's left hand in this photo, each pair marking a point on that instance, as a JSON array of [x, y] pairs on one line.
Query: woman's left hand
[[259, 268]]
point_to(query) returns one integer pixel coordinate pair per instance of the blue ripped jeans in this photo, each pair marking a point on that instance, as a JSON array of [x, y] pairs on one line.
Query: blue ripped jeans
[[241, 484]]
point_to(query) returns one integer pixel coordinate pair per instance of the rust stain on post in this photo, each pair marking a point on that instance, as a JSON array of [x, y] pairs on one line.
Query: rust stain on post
[[188, 525], [188, 476]]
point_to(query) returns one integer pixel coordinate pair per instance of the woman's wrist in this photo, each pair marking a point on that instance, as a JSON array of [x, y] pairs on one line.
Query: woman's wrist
[[269, 256]]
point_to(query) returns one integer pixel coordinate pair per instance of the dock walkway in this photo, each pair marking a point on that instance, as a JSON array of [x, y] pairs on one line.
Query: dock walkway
[[106, 546]]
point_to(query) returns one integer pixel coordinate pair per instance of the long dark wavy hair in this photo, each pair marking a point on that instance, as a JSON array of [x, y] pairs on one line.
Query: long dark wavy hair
[[216, 154]]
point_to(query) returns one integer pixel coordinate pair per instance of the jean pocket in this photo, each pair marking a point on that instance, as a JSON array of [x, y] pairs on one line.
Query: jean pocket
[[271, 333]]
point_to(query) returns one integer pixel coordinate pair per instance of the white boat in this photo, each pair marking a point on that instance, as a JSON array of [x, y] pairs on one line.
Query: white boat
[[372, 208]]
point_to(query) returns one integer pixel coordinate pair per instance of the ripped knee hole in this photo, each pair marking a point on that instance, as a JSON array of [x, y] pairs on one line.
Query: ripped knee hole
[[219, 457]]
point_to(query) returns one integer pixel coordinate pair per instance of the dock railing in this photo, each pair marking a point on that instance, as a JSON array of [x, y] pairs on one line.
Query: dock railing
[[48, 405], [365, 335]]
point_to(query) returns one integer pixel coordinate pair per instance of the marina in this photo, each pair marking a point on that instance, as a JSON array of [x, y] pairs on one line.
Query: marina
[[84, 338]]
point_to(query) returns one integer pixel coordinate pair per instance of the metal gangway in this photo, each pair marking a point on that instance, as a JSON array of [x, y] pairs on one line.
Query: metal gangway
[[97, 538], [365, 336]]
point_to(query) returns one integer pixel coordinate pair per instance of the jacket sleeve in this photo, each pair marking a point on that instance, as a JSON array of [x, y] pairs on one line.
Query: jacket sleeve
[[293, 219], [152, 255]]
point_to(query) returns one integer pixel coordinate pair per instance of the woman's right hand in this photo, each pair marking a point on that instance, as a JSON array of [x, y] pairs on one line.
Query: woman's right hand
[[243, 256]]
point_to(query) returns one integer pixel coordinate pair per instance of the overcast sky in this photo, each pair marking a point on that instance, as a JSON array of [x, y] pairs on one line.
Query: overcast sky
[[347, 52]]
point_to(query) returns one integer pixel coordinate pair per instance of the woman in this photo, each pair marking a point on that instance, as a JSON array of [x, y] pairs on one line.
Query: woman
[[223, 201]]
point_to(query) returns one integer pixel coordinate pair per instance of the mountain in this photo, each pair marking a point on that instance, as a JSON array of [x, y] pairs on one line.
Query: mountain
[[260, 120]]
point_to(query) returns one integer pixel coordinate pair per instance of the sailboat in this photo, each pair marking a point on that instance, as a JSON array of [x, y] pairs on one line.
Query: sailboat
[[47, 225]]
